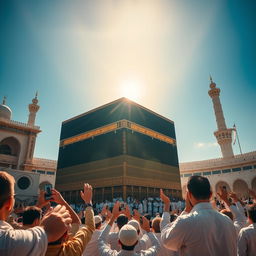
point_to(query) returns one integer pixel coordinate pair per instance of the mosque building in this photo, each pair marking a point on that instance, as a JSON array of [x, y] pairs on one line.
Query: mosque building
[[17, 144], [122, 149], [236, 172]]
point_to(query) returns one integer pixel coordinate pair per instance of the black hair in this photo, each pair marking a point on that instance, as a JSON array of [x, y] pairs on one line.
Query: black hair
[[199, 187], [252, 213], [30, 214], [121, 220], [97, 225]]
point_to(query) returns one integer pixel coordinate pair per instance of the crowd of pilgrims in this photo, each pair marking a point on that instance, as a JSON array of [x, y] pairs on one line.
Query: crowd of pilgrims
[[152, 206], [200, 225]]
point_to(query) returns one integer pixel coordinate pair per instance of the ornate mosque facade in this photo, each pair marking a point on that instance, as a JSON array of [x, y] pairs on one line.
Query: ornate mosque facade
[[236, 172], [17, 144]]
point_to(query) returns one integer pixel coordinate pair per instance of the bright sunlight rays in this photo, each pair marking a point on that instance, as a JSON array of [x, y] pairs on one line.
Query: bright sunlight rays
[[131, 89]]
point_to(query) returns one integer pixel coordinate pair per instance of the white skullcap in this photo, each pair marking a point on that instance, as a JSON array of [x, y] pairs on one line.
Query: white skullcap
[[97, 219], [128, 235], [135, 224]]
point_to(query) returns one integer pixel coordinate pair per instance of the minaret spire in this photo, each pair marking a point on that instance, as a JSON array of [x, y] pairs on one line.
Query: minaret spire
[[211, 79], [33, 108], [223, 134], [4, 100]]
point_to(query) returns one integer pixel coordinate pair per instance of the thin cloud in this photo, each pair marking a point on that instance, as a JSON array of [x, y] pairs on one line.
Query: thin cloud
[[205, 144]]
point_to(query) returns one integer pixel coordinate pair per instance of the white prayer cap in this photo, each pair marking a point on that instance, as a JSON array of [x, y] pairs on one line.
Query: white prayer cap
[[128, 235], [135, 224], [97, 219]]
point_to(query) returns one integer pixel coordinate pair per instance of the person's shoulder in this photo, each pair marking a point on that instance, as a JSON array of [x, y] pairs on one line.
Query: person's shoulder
[[248, 229], [113, 234]]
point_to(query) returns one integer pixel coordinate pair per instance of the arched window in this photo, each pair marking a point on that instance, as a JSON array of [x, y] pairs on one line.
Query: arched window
[[241, 188], [5, 149], [10, 146]]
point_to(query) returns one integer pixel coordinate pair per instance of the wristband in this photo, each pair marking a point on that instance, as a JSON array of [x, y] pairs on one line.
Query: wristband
[[87, 205]]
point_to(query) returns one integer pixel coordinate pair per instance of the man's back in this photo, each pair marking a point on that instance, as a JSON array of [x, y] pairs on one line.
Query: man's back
[[247, 241], [203, 231], [22, 242], [92, 246]]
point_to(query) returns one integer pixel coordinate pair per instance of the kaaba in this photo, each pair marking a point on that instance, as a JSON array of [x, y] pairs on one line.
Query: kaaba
[[122, 149]]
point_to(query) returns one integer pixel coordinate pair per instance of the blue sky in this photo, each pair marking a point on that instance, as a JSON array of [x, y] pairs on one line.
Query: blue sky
[[79, 54]]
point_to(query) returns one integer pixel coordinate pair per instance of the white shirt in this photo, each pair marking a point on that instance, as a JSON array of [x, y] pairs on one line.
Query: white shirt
[[247, 241], [239, 218], [92, 247], [105, 249], [163, 250], [30, 242], [204, 231], [143, 244], [113, 241]]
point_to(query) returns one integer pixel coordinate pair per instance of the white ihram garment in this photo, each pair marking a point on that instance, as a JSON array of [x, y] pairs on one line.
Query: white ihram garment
[[204, 231]]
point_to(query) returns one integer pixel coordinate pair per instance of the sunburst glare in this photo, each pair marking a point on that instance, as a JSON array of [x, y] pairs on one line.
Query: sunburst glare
[[131, 89]]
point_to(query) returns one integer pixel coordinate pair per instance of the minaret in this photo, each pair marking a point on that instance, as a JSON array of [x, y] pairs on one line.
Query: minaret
[[4, 100], [33, 108], [223, 134]]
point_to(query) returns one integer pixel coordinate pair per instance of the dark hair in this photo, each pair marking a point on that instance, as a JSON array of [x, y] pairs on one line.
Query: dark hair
[[30, 214], [6, 187], [121, 220], [199, 187], [83, 220], [173, 217], [97, 225], [252, 213], [227, 213]]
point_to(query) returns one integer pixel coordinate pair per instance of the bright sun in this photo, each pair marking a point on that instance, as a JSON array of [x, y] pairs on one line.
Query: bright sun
[[131, 89]]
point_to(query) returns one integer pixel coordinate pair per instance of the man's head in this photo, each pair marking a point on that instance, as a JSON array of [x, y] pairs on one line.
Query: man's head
[[199, 189], [227, 213], [121, 220], [97, 221], [135, 224], [252, 213], [156, 224], [6, 193], [32, 216], [128, 237]]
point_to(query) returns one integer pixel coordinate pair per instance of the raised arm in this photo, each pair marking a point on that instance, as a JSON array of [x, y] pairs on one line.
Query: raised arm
[[104, 247], [57, 198], [77, 244]]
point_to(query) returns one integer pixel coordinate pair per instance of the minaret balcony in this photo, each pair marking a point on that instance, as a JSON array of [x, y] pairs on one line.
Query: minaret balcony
[[224, 135]]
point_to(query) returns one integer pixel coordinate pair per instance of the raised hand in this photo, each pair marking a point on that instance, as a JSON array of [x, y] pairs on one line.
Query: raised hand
[[223, 195], [166, 201], [109, 215], [56, 222], [136, 215], [116, 210], [57, 197], [127, 211], [86, 195], [145, 224], [234, 197], [104, 211], [164, 198]]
